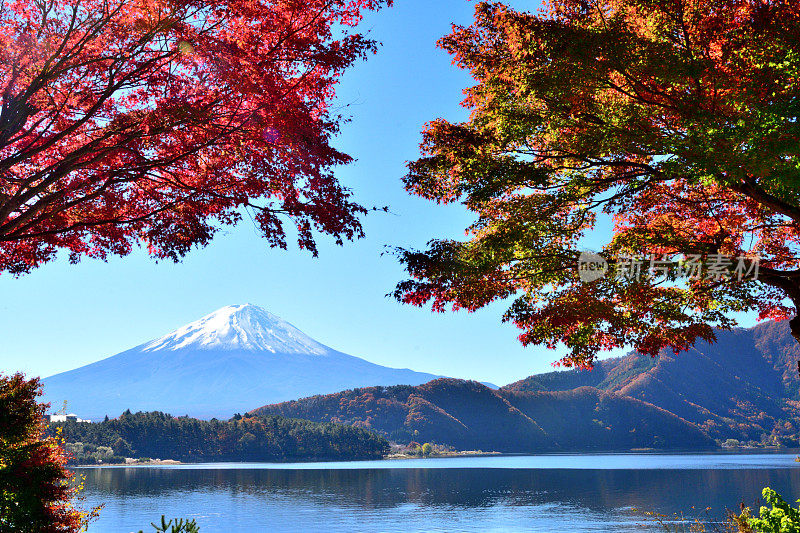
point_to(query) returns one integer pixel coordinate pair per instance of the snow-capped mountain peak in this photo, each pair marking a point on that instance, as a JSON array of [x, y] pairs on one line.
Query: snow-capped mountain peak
[[239, 327], [230, 361]]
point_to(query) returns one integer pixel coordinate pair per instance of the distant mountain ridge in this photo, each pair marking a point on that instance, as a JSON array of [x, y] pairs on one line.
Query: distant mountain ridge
[[743, 386], [226, 362], [469, 415]]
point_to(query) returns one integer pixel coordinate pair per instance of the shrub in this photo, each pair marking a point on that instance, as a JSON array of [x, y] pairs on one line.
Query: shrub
[[74, 448], [180, 526], [416, 450], [103, 452], [781, 518]]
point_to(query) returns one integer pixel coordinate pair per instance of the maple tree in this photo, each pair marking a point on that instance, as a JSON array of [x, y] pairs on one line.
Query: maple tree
[[36, 492], [153, 122], [662, 129]]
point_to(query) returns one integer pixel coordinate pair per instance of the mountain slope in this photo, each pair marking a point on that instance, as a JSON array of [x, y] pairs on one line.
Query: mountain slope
[[226, 362], [468, 415], [743, 386]]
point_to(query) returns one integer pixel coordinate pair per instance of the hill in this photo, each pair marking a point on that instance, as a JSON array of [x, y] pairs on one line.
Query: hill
[[469, 415], [224, 363], [745, 386]]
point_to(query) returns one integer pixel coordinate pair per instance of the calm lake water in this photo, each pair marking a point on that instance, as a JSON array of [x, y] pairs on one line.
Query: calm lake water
[[573, 493]]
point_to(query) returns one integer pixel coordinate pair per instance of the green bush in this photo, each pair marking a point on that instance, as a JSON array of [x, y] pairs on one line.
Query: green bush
[[103, 452], [74, 448], [782, 518]]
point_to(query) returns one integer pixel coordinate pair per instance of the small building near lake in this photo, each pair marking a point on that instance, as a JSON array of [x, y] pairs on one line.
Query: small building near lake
[[67, 418]]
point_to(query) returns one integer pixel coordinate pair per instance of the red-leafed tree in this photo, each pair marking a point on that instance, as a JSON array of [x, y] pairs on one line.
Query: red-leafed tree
[[675, 120], [154, 122], [36, 493]]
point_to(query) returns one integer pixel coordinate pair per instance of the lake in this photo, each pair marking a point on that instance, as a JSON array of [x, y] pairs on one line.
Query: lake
[[576, 493]]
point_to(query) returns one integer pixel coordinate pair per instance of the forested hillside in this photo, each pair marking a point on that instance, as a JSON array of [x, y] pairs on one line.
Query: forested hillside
[[469, 415], [271, 438], [744, 386]]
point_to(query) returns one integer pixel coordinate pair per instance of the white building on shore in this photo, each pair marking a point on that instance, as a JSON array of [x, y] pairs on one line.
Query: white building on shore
[[67, 418]]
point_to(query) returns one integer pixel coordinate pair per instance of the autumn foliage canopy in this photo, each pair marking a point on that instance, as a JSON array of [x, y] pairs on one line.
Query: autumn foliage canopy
[[156, 122], [663, 128]]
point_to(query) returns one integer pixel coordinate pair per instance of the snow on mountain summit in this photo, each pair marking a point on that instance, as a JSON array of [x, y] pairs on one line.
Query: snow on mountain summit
[[231, 361], [239, 327]]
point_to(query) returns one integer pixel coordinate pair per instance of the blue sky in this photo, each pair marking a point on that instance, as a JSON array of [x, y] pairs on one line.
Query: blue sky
[[63, 316]]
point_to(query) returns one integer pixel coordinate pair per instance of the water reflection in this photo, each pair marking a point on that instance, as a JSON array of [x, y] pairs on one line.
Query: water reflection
[[463, 499]]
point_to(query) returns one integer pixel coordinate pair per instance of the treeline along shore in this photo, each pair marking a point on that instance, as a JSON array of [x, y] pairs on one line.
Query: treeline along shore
[[266, 438]]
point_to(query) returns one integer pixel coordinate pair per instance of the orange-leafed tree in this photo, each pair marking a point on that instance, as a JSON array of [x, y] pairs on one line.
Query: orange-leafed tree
[[36, 490], [127, 122], [676, 121]]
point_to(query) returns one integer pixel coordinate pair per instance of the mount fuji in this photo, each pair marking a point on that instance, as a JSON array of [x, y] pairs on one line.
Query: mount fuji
[[233, 360]]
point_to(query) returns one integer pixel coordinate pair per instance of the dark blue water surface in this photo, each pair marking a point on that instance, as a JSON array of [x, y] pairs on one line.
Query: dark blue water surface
[[520, 493]]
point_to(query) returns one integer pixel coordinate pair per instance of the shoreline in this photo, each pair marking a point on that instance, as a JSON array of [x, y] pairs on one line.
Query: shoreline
[[134, 462], [465, 453]]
